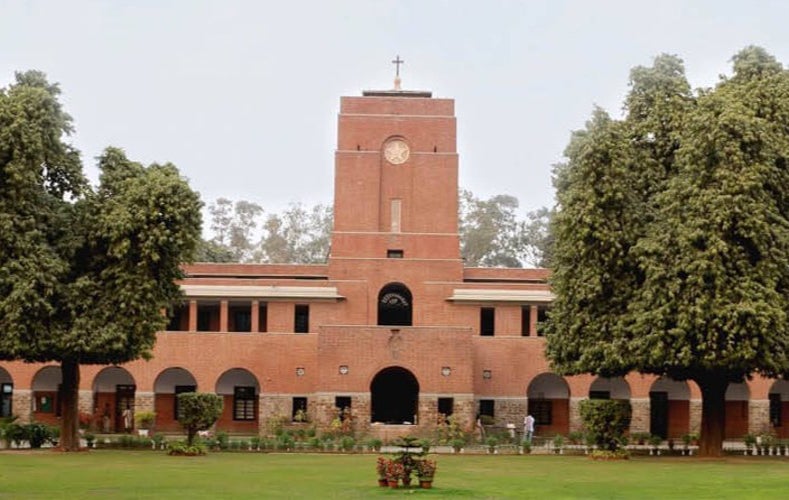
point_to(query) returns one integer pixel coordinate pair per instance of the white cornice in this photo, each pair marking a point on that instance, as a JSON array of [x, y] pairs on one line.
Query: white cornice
[[485, 295], [262, 292]]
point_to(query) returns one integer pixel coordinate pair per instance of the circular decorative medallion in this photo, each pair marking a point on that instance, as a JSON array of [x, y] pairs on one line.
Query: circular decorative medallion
[[396, 151]]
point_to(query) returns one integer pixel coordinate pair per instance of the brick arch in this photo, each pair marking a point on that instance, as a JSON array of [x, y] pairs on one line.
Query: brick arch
[[616, 387], [46, 397], [779, 407], [395, 305], [394, 396], [6, 393], [549, 403], [113, 392], [737, 410], [240, 392], [168, 383], [669, 408]]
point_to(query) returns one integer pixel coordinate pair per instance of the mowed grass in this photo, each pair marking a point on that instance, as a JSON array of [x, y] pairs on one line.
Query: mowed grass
[[135, 474]]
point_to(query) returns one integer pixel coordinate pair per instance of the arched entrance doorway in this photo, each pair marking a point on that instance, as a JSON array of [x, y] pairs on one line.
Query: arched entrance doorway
[[395, 396], [240, 390], [113, 393], [549, 404], [168, 385], [46, 395], [669, 408], [395, 305], [737, 397]]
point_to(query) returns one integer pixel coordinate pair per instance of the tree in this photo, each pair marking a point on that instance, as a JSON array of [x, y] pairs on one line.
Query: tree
[[672, 236], [84, 274], [198, 412], [298, 235]]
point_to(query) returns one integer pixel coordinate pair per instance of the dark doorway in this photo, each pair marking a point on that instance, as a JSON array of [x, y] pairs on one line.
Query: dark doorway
[[394, 305], [395, 394], [124, 398], [658, 414]]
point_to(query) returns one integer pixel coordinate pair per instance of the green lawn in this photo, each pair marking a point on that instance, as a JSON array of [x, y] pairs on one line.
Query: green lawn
[[110, 474]]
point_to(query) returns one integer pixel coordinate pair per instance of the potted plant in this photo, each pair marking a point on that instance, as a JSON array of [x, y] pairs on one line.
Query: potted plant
[[558, 443], [144, 421], [750, 442], [492, 442], [381, 467], [394, 473], [90, 439], [426, 471], [458, 444], [654, 442]]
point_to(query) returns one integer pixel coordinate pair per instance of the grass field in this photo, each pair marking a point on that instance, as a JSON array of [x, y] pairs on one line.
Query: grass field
[[113, 475]]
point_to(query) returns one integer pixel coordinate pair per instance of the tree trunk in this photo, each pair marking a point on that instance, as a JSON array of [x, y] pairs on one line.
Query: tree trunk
[[713, 414], [69, 427]]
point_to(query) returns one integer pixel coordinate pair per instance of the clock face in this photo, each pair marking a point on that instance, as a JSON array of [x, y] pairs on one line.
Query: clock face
[[396, 151]]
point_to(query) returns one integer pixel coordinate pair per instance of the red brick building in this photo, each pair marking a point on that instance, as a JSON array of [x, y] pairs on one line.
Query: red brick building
[[393, 326]]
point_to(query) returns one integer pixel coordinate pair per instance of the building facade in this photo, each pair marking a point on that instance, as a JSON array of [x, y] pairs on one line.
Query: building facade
[[393, 328]]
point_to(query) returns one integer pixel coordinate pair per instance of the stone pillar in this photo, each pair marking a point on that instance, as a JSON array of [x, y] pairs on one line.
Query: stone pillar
[[85, 402], [144, 401], [641, 418], [22, 405], [695, 416], [576, 423], [758, 416], [274, 406], [511, 411]]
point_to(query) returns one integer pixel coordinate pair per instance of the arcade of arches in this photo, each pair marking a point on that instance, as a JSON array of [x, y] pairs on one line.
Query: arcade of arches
[[670, 408]]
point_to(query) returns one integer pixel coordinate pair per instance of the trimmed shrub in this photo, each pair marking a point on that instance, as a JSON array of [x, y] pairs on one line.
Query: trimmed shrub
[[606, 420]]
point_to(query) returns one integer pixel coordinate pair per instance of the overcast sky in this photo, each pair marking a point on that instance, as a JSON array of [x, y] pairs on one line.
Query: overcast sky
[[243, 96]]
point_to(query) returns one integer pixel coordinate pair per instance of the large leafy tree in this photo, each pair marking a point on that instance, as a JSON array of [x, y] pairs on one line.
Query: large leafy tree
[[84, 273], [672, 238]]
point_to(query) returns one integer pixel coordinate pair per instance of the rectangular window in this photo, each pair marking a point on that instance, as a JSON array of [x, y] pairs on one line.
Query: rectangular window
[[240, 319], [446, 406], [486, 407], [299, 409], [394, 254], [541, 410], [180, 389], [525, 321], [342, 402], [301, 321], [599, 395], [487, 321], [207, 318], [775, 410], [542, 316], [262, 317], [396, 208], [244, 403]]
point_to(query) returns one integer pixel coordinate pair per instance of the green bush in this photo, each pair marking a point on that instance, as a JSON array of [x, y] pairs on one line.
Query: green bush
[[606, 420], [198, 412], [37, 434], [222, 440], [347, 443], [180, 448]]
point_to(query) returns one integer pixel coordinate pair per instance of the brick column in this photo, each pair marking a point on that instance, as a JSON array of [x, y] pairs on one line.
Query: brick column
[[223, 326], [255, 316], [22, 405], [641, 418], [695, 415], [192, 315], [533, 321], [576, 423], [758, 416]]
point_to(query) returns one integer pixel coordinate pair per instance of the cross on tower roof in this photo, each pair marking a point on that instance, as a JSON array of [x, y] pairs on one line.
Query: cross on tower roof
[[397, 62]]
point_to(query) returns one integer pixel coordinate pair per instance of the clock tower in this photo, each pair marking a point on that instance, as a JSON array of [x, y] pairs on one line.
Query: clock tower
[[396, 179]]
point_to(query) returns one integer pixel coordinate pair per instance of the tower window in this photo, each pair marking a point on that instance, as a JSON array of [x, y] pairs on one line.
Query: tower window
[[487, 321], [301, 320]]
